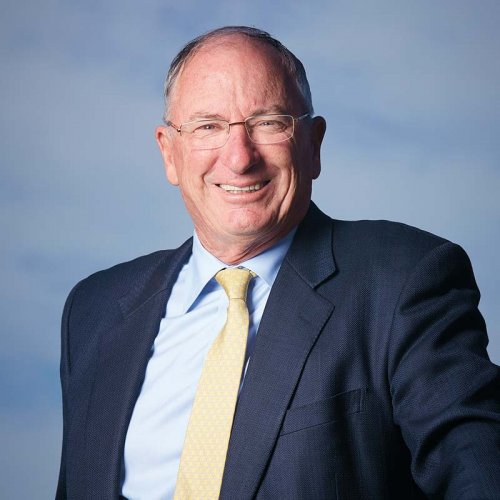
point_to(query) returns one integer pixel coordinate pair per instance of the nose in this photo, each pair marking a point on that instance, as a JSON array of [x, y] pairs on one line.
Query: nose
[[239, 153]]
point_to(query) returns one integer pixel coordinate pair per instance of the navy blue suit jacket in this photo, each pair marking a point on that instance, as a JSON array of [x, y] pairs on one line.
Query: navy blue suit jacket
[[369, 379]]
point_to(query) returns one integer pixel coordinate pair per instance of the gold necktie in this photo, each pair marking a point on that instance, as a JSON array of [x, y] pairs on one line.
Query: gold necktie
[[207, 437]]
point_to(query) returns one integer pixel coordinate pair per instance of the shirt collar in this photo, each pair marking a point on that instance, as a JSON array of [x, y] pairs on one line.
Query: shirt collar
[[204, 266]]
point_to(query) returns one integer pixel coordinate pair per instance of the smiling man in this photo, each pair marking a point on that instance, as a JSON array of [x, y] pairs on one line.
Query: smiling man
[[278, 353]]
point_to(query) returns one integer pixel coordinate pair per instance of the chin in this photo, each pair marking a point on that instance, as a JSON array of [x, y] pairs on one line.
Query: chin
[[248, 225]]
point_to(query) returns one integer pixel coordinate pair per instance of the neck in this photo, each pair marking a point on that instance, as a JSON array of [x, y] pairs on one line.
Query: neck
[[241, 249]]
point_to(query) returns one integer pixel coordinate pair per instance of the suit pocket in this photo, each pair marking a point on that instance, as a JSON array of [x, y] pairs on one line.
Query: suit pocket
[[324, 411]]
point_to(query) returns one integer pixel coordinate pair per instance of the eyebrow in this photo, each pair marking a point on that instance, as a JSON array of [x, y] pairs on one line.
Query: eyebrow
[[205, 115], [274, 109]]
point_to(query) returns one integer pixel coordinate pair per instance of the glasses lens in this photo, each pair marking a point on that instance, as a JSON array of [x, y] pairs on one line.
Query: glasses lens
[[206, 134], [270, 129]]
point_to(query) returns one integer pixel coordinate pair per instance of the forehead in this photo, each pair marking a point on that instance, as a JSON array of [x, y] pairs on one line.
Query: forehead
[[234, 74]]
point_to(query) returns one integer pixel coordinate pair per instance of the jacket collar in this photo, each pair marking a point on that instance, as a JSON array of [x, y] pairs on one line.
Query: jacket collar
[[148, 285], [311, 254]]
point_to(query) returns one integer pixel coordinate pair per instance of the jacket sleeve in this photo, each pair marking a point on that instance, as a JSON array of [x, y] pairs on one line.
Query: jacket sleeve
[[65, 373], [445, 390]]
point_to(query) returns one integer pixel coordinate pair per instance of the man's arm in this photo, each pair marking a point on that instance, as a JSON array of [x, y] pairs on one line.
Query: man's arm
[[64, 372], [445, 391]]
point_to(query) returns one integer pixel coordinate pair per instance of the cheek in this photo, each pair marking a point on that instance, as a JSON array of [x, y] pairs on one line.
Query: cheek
[[192, 169], [196, 188], [289, 173]]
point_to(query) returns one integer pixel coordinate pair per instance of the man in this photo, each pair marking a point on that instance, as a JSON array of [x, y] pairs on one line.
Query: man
[[364, 374]]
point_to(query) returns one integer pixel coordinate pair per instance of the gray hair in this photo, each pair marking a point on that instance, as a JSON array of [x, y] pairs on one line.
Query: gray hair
[[291, 63]]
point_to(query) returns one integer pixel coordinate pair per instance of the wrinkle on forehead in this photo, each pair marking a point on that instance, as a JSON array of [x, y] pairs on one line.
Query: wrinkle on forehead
[[212, 66]]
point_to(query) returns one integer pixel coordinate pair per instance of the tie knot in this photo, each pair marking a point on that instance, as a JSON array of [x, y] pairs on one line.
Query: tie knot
[[235, 281]]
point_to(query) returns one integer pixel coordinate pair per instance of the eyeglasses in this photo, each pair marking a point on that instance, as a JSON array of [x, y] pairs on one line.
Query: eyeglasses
[[261, 129]]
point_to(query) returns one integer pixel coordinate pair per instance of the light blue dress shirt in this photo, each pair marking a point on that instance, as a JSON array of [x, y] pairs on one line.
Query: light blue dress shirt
[[195, 314]]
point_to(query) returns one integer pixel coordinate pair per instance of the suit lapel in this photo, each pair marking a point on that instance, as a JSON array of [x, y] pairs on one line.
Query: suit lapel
[[294, 317], [124, 352]]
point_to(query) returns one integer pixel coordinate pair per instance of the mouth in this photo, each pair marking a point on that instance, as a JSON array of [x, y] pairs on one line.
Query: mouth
[[246, 189]]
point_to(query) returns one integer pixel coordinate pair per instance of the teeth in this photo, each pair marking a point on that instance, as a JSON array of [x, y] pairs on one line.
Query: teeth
[[235, 189]]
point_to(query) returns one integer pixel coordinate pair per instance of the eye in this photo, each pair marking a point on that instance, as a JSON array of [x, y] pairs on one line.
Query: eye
[[206, 128], [268, 123], [271, 125]]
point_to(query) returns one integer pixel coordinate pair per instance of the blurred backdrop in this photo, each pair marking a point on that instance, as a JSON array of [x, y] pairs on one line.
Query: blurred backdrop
[[410, 91]]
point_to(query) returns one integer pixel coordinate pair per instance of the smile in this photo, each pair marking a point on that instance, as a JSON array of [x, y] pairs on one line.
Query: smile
[[235, 189]]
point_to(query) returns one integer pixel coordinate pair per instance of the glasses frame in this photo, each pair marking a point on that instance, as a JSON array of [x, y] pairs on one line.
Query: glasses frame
[[178, 128]]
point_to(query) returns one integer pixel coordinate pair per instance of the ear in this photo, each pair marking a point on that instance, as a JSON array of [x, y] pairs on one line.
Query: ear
[[164, 141], [318, 129]]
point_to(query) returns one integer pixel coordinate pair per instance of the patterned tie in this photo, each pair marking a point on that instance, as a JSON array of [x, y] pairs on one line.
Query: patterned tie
[[207, 437]]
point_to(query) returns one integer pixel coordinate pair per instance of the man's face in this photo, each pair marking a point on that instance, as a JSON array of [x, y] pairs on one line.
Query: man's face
[[233, 79]]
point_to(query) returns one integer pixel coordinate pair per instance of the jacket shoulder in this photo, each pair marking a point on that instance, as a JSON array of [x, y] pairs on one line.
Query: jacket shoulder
[[139, 266], [390, 252], [122, 278], [382, 241]]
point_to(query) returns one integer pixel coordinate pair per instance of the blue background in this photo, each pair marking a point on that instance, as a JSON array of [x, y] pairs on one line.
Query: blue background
[[410, 91]]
